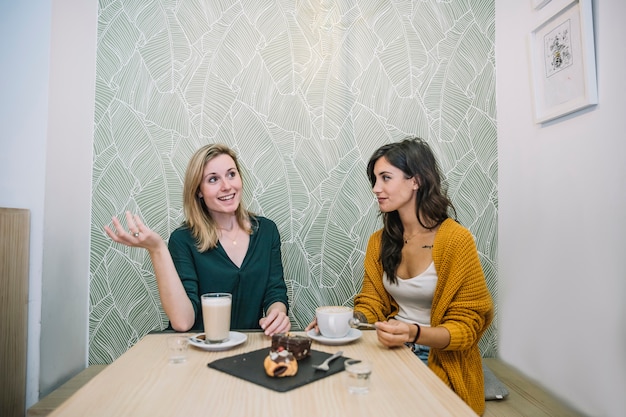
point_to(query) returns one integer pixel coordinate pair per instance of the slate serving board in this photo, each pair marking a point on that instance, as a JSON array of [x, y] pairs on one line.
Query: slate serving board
[[249, 366]]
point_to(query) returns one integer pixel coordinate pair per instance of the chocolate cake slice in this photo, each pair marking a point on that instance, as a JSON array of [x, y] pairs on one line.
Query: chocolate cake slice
[[299, 346]]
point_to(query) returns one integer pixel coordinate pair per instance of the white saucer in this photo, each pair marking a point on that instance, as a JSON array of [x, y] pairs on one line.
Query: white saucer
[[352, 335], [234, 339]]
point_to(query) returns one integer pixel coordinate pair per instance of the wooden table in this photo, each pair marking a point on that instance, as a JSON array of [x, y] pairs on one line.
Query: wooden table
[[143, 383]]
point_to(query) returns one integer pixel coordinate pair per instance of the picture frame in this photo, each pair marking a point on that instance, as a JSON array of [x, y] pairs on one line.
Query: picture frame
[[538, 4], [563, 63]]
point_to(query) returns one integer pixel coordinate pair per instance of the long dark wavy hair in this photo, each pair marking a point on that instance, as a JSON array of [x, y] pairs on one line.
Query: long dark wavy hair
[[414, 158]]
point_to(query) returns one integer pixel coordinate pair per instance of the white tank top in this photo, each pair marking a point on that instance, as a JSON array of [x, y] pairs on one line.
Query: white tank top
[[414, 296]]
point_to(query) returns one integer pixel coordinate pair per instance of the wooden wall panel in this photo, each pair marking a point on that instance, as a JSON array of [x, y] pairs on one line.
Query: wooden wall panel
[[14, 258]]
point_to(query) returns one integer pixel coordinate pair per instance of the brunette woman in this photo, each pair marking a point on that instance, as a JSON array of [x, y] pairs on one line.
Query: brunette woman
[[424, 285]]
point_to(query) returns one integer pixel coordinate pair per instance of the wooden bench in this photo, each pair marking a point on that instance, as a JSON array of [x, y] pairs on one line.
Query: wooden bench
[[526, 398], [51, 401]]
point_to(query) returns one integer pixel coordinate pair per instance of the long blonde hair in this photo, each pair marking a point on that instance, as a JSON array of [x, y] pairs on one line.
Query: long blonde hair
[[197, 217]]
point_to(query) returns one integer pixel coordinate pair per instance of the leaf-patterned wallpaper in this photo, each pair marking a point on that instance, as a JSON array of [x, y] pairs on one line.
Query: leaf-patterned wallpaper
[[304, 91]]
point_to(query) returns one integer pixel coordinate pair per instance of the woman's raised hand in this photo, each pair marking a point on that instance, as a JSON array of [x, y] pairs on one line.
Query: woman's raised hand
[[138, 234]]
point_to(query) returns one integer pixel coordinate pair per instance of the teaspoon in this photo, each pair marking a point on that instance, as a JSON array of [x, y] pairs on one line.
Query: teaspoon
[[356, 323]]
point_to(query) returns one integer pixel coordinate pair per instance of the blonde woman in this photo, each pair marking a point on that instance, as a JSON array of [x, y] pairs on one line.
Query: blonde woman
[[221, 247]]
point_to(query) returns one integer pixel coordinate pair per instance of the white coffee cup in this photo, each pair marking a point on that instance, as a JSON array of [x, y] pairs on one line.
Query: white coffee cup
[[216, 316], [333, 321]]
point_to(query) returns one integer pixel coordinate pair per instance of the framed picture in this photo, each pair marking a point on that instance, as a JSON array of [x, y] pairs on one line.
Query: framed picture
[[563, 62], [538, 4]]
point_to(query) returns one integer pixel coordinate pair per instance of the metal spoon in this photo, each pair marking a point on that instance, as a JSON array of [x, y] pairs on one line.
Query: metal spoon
[[356, 323], [324, 365]]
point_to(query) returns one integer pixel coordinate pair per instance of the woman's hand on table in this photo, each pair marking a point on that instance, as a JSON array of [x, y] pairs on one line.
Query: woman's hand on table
[[138, 235], [276, 321], [313, 325], [393, 333]]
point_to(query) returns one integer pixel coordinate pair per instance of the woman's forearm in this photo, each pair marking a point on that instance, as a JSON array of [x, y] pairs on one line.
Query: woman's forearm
[[174, 299]]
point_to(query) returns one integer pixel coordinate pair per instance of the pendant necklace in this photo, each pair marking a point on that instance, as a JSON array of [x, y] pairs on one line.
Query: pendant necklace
[[406, 240], [232, 239]]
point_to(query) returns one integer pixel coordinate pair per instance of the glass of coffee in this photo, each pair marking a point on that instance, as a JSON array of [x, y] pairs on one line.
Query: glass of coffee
[[216, 316]]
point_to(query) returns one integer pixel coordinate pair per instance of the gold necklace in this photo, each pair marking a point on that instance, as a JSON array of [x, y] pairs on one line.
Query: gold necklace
[[232, 239], [406, 239]]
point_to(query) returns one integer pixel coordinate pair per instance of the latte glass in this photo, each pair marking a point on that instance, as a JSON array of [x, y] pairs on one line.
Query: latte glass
[[216, 316]]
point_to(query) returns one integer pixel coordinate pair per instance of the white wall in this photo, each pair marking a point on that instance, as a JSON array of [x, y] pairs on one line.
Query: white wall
[[561, 221], [46, 109], [65, 283], [24, 53]]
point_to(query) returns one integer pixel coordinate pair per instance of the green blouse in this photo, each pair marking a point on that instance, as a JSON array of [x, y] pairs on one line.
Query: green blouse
[[256, 285]]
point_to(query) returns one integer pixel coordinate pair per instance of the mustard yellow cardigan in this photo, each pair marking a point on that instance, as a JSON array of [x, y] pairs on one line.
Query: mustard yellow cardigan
[[461, 303]]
